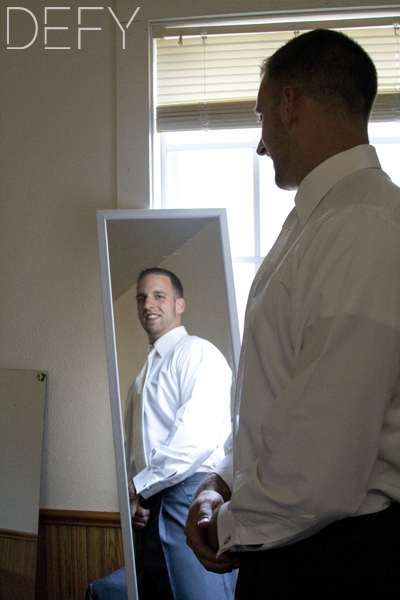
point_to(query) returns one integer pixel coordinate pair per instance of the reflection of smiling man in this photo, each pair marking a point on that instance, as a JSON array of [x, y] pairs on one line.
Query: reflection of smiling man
[[159, 309], [177, 419]]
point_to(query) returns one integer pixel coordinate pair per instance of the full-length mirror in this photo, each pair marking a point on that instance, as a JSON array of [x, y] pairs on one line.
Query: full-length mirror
[[194, 245]]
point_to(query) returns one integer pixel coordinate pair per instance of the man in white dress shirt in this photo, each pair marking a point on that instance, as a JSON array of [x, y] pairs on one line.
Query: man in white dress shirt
[[307, 501], [171, 443]]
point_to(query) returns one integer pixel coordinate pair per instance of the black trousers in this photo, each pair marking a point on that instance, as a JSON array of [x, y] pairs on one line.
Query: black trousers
[[357, 558]]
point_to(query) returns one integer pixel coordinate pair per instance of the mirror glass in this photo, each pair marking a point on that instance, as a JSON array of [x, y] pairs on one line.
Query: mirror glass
[[22, 400], [194, 245]]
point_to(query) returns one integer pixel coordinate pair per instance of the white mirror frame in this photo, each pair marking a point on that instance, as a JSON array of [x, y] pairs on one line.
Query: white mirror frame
[[103, 217]]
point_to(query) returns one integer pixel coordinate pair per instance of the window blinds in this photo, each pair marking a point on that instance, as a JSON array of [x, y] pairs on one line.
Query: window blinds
[[211, 81]]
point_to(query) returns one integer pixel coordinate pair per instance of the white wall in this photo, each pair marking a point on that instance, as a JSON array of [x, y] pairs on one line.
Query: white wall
[[59, 164]]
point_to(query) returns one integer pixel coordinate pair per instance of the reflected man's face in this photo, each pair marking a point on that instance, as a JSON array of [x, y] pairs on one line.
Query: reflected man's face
[[159, 310]]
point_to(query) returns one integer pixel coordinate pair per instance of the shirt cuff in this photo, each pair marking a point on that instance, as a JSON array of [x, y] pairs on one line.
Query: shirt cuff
[[228, 537], [145, 483], [225, 469], [226, 530]]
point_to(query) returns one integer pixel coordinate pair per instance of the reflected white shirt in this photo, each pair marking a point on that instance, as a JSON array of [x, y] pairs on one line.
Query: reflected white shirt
[[186, 405], [318, 387]]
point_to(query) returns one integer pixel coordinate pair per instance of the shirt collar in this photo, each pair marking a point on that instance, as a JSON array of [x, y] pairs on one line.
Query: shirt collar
[[169, 339], [322, 179]]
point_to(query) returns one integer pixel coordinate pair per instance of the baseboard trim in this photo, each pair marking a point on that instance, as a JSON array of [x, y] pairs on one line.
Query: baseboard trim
[[83, 518]]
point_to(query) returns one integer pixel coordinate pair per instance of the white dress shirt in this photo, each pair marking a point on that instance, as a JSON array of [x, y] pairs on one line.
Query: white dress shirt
[[186, 412], [318, 389]]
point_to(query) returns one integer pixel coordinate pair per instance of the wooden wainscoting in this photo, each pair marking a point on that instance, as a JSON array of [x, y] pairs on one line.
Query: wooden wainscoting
[[17, 565], [74, 549]]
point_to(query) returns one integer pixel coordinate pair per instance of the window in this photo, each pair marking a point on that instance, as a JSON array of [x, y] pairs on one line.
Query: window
[[220, 169], [204, 163], [210, 80]]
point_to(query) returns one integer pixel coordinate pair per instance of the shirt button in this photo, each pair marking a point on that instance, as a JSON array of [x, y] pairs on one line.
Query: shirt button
[[227, 539]]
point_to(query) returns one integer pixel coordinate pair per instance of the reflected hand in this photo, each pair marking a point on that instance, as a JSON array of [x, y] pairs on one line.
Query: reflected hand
[[139, 514], [140, 518], [202, 534]]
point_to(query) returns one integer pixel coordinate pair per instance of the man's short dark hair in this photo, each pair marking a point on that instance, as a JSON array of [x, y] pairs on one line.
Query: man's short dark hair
[[327, 66], [175, 281]]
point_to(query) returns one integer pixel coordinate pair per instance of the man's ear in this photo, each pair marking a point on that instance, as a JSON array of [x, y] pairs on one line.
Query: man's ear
[[289, 105], [180, 306]]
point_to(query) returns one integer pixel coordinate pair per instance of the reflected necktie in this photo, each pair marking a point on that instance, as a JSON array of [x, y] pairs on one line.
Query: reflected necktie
[[138, 413]]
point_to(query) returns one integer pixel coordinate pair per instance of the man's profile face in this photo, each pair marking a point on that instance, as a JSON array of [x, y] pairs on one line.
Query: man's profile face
[[274, 141], [159, 310]]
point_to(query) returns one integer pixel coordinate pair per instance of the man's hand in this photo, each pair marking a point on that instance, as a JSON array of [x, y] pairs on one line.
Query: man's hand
[[201, 526], [140, 518], [139, 514]]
